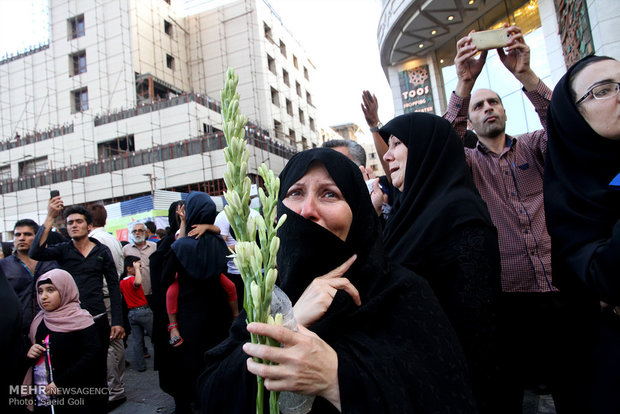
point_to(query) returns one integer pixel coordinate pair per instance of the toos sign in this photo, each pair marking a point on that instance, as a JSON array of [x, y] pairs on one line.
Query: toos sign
[[415, 87]]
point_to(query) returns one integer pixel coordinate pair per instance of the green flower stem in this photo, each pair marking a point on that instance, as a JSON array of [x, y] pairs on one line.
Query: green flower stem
[[256, 264]]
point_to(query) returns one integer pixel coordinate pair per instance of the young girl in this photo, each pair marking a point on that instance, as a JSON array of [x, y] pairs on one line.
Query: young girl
[[65, 344]]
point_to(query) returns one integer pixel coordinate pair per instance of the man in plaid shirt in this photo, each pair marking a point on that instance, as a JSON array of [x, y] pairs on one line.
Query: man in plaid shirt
[[508, 172]]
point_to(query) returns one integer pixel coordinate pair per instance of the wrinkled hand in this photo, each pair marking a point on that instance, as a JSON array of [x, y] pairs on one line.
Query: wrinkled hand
[[117, 332], [468, 68], [54, 207], [306, 363], [35, 351], [200, 229], [319, 295], [370, 107]]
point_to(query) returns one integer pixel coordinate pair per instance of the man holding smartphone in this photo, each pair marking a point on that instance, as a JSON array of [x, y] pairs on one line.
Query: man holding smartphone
[[89, 262]]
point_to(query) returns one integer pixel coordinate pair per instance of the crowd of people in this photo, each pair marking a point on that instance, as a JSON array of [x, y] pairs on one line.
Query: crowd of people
[[471, 271]]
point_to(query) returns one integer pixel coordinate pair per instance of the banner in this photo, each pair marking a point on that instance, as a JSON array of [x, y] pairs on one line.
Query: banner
[[416, 92]]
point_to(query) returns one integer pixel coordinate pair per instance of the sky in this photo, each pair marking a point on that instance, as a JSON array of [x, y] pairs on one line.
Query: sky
[[340, 37]]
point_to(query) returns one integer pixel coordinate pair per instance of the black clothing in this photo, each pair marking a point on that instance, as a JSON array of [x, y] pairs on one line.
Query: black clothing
[[396, 352], [74, 365], [583, 219], [88, 273], [11, 344], [582, 209], [165, 358], [441, 229], [22, 281], [202, 258], [203, 315], [439, 194]]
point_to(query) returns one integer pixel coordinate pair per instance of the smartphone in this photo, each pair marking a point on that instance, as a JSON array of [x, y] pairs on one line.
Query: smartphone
[[54, 193], [491, 39]]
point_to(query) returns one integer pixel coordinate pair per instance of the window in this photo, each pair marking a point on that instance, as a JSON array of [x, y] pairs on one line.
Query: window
[[277, 126], [289, 107], [282, 48], [33, 166], [302, 119], [308, 98], [5, 172], [295, 62], [291, 136], [167, 27], [77, 63], [285, 77], [304, 142], [275, 98], [271, 64], [116, 146], [298, 87], [76, 26], [170, 62], [79, 101], [306, 73], [311, 120], [268, 32]]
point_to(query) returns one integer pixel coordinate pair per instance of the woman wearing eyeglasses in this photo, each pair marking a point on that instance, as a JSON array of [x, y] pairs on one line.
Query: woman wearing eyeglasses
[[582, 204]]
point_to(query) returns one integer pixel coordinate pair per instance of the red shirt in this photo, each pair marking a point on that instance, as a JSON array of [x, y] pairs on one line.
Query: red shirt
[[134, 296]]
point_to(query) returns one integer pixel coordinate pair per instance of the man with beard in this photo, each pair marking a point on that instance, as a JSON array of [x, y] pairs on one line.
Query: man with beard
[[143, 249], [508, 172]]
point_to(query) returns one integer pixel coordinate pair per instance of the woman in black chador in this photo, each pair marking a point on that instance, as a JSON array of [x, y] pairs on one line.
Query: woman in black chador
[[203, 312], [371, 336], [440, 228], [582, 205]]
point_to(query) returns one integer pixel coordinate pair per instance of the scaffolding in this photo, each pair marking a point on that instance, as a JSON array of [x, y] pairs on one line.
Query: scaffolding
[[139, 73]]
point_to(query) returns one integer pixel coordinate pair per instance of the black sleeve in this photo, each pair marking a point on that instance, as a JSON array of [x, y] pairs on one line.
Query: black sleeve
[[111, 278], [46, 252]]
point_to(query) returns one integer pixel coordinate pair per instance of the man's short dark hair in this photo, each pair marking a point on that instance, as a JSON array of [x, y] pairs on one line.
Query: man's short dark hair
[[79, 210], [99, 213], [357, 152], [27, 222], [151, 226]]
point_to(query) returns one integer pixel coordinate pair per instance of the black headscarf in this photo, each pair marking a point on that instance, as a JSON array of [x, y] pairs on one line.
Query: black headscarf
[[396, 352], [439, 193], [206, 257], [582, 209]]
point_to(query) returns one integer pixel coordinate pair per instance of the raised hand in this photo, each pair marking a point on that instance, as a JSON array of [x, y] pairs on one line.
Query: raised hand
[[468, 67], [370, 107], [516, 58]]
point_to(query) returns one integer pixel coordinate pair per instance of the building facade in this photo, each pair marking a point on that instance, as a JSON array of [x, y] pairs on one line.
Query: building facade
[[417, 43], [124, 100]]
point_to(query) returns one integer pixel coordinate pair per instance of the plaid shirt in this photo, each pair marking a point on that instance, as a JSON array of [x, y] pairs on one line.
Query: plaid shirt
[[511, 184]]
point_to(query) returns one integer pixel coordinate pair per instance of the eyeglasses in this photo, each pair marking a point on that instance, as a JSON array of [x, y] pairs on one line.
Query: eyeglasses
[[604, 91]]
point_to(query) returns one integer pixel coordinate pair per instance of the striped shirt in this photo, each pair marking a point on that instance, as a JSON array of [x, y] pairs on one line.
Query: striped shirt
[[511, 184]]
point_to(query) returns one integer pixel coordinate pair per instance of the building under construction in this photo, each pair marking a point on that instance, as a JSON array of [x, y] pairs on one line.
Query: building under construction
[[123, 100]]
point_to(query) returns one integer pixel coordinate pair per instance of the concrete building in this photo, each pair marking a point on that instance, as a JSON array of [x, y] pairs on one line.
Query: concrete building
[[417, 43], [123, 100]]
